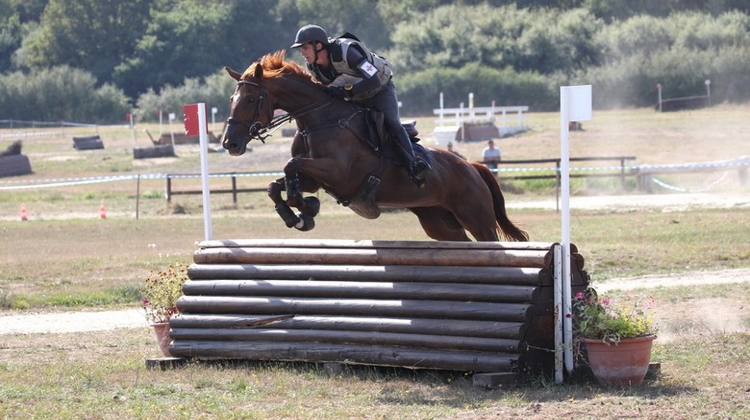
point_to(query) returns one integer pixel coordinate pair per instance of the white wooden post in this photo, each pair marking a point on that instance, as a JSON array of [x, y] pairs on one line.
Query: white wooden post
[[575, 105]]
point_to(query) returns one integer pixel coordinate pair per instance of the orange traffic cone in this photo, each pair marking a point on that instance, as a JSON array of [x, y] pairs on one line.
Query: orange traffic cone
[[102, 210], [23, 212]]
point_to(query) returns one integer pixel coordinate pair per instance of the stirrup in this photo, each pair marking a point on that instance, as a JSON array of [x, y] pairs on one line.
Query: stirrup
[[420, 169]]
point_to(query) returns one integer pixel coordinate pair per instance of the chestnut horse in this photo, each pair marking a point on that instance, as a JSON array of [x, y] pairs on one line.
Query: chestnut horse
[[335, 150]]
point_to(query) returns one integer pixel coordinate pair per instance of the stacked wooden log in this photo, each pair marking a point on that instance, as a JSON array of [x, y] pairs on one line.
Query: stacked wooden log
[[88, 143], [479, 306], [166, 150]]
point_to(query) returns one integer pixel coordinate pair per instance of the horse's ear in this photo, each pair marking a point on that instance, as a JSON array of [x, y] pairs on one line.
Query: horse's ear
[[258, 71], [232, 72]]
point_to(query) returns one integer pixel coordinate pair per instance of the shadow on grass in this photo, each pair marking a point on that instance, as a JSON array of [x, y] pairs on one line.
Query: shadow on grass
[[424, 387]]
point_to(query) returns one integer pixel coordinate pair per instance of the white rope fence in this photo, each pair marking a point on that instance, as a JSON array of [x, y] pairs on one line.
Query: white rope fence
[[6, 185]]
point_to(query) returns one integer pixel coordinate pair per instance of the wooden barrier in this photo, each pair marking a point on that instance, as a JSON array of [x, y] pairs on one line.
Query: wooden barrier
[[153, 152], [13, 165], [234, 190], [88, 143], [476, 307]]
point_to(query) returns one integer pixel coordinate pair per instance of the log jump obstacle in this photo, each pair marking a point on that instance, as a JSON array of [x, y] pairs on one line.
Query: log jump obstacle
[[482, 307]]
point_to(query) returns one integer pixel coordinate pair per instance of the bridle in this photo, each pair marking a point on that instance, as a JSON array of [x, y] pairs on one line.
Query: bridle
[[256, 129]]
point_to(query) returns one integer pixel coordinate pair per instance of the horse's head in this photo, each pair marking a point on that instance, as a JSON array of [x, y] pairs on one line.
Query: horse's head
[[250, 111]]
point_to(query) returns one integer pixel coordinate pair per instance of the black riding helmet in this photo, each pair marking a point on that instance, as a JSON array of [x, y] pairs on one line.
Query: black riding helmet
[[310, 33]]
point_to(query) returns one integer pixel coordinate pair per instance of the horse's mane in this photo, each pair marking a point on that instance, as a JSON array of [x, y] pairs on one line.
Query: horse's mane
[[273, 65]]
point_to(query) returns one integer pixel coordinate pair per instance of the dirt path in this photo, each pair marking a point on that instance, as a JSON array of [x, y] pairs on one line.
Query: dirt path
[[724, 314]]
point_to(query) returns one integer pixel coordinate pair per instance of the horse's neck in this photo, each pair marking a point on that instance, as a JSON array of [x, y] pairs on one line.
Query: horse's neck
[[299, 97]]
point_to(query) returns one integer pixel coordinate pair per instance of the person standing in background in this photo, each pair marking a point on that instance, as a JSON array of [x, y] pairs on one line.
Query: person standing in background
[[491, 155]]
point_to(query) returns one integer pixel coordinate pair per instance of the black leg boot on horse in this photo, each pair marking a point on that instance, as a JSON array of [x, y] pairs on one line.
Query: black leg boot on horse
[[417, 169]]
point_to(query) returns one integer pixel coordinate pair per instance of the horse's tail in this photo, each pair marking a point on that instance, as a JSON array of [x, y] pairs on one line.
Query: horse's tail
[[507, 228]]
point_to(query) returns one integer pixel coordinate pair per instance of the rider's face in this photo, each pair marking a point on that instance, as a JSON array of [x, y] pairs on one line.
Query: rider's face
[[308, 52]]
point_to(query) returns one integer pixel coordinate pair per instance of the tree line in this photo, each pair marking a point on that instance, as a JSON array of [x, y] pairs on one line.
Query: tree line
[[95, 60]]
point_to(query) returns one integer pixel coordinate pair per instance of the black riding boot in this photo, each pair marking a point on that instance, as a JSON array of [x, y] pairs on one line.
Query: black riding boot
[[415, 167]]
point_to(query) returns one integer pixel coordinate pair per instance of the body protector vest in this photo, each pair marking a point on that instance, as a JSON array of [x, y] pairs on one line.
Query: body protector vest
[[348, 73]]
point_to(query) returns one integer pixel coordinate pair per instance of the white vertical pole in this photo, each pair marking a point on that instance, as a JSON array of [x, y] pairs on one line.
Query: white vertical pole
[[565, 212], [471, 106], [559, 344], [460, 119], [132, 127], [441, 109], [658, 89], [171, 131], [204, 170]]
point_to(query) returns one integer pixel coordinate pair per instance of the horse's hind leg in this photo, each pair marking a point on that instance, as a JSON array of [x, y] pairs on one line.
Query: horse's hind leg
[[477, 218], [440, 224]]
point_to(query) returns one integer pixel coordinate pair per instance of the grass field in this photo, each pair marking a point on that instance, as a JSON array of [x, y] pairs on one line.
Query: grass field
[[66, 257]]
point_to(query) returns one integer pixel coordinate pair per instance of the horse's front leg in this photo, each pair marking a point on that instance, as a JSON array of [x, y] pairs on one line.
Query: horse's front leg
[[308, 206], [282, 208]]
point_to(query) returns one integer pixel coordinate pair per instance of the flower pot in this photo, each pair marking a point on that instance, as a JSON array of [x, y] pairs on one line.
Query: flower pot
[[162, 337], [625, 363]]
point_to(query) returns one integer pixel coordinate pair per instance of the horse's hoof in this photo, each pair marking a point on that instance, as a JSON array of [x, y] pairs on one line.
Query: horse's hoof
[[312, 206], [307, 223]]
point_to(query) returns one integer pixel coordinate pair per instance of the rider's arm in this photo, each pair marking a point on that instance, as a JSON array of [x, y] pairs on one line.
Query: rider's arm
[[365, 69]]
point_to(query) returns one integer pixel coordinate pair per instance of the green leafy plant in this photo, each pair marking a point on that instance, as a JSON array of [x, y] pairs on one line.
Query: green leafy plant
[[161, 291], [599, 318]]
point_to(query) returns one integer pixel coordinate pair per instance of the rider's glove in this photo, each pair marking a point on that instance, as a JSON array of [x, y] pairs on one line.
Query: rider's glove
[[337, 92]]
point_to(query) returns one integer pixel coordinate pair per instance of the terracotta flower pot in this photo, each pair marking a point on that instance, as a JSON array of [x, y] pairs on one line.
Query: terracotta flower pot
[[162, 337], [625, 363]]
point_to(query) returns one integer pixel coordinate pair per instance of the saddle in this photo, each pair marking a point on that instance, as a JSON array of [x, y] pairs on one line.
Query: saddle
[[380, 140]]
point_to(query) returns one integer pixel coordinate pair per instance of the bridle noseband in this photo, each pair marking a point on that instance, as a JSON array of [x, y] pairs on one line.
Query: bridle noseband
[[256, 129]]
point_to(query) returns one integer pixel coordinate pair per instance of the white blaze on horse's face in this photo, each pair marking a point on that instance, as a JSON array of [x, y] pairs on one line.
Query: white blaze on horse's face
[[234, 98], [246, 103]]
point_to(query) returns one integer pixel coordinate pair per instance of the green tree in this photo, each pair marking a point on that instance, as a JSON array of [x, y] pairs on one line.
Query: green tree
[[214, 91], [192, 40], [60, 93], [10, 35], [95, 35], [453, 36], [359, 17]]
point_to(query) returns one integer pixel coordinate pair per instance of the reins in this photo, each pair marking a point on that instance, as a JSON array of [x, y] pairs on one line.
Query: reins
[[256, 129]]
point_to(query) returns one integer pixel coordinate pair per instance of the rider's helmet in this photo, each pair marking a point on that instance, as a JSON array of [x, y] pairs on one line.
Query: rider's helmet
[[310, 33]]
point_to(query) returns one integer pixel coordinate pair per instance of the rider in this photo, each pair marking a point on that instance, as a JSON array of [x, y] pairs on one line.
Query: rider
[[350, 71]]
